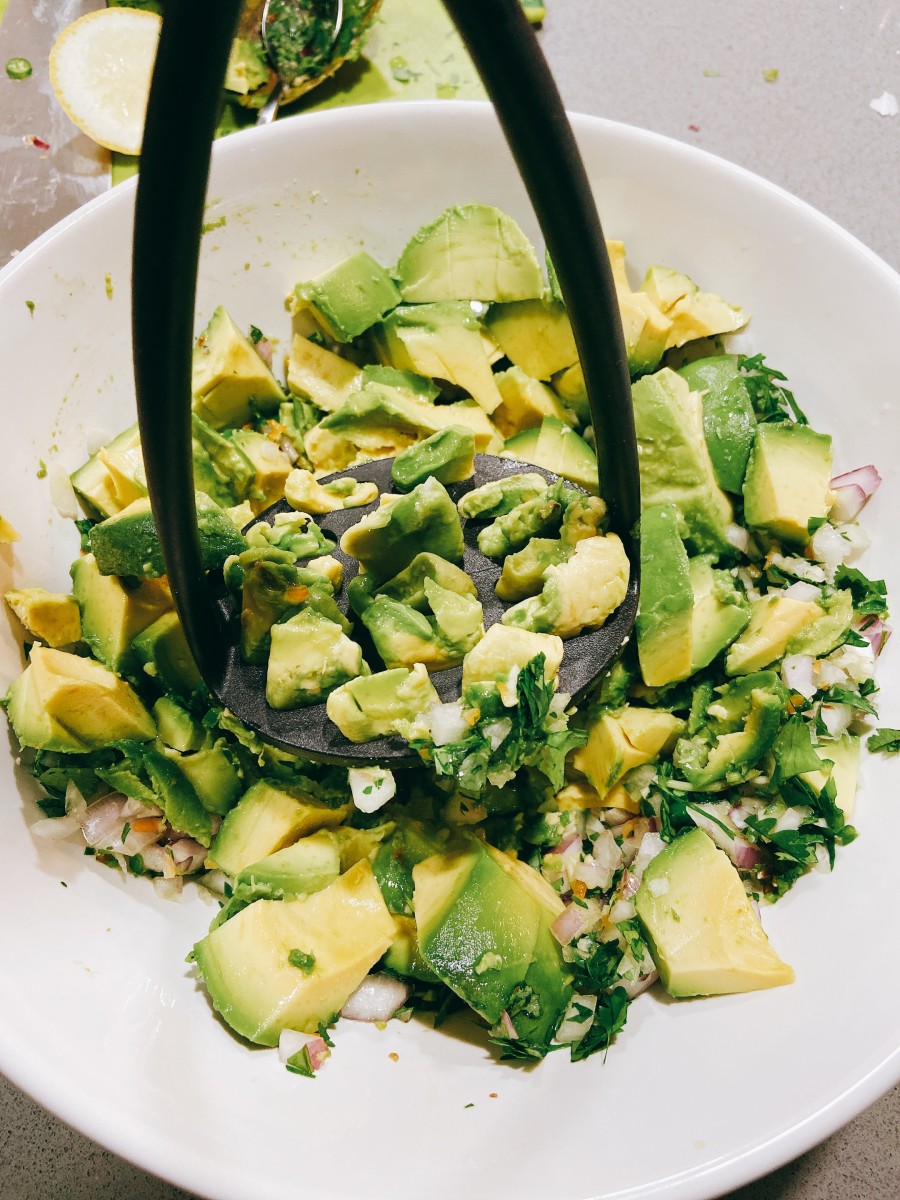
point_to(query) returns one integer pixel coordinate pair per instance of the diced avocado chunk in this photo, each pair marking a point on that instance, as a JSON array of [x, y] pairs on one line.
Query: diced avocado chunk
[[403, 957], [729, 422], [558, 448], [320, 375], [402, 636], [164, 653], [504, 649], [267, 818], [448, 456], [221, 469], [229, 379], [114, 611], [309, 865], [674, 461], [378, 420], [774, 621], [272, 589], [214, 777], [294, 532], [443, 341], [843, 754], [53, 617], [410, 843], [500, 496], [470, 252], [479, 930], [97, 487], [400, 381], [645, 326], [372, 705], [665, 612], [388, 539], [535, 335], [67, 703], [828, 631], [788, 480], [720, 612], [245, 963], [309, 657], [578, 594], [247, 67], [270, 466], [128, 544], [176, 727], [714, 754], [693, 314], [512, 530], [523, 571], [618, 742], [526, 402], [348, 298], [177, 797], [408, 586], [703, 934], [304, 492]]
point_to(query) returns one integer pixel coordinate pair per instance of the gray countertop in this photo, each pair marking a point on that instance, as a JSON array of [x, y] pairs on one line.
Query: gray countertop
[[697, 71]]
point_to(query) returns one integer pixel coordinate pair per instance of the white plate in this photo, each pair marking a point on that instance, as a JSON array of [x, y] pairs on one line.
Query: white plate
[[101, 1020]]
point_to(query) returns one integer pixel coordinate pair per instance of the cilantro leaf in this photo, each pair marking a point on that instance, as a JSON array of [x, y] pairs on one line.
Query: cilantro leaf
[[609, 1019], [886, 740], [869, 595], [771, 401], [793, 749]]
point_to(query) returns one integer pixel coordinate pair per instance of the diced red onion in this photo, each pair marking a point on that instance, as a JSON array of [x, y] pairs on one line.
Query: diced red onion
[[634, 987], [737, 817], [157, 858], [574, 920], [169, 889], [188, 855], [848, 502], [76, 805], [376, 999], [509, 1029], [865, 478], [744, 855], [103, 822], [291, 1042], [630, 884], [876, 634], [569, 840], [264, 350]]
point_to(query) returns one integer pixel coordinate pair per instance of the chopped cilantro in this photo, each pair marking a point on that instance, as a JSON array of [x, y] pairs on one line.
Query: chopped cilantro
[[256, 335], [302, 961], [609, 1019], [885, 740], [869, 595], [29, 304], [771, 401]]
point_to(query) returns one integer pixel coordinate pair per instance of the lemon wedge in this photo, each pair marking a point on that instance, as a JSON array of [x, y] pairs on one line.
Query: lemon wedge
[[100, 68]]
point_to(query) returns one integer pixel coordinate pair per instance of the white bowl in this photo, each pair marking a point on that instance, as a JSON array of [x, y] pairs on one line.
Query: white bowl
[[100, 1018]]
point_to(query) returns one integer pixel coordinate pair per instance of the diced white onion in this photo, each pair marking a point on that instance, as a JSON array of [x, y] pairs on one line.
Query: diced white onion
[[857, 662], [55, 829], [622, 910], [371, 787], [836, 718], [62, 494], [797, 673], [738, 537], [802, 591], [447, 723], [857, 542], [848, 501], [829, 548], [574, 1026], [651, 845], [376, 999]]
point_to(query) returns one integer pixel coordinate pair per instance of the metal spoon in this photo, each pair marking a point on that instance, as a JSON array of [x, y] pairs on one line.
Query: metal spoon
[[166, 251], [305, 12]]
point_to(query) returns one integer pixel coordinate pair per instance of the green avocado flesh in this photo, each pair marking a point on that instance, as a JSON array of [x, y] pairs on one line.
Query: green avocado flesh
[[547, 856]]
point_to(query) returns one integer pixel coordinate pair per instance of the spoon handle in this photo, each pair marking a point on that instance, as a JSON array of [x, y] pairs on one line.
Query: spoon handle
[[171, 194], [528, 105]]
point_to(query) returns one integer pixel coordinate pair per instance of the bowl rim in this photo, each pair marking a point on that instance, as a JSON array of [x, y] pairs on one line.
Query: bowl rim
[[37, 1078]]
